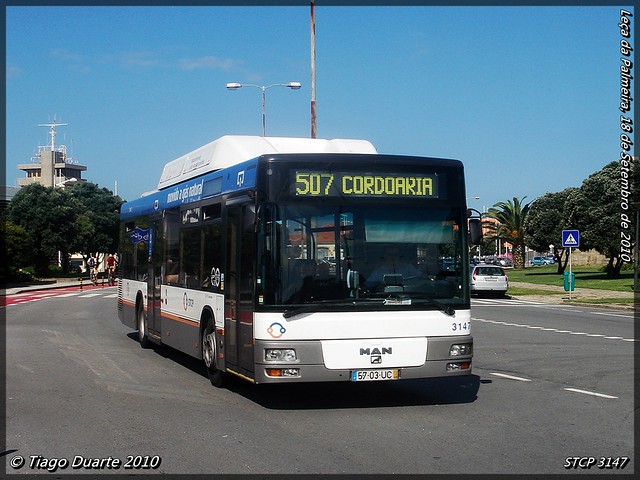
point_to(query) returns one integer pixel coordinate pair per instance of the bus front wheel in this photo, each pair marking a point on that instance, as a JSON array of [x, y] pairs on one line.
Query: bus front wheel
[[142, 328], [209, 353]]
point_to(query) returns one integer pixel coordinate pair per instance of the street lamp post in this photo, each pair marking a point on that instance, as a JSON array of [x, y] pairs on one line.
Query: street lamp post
[[291, 85]]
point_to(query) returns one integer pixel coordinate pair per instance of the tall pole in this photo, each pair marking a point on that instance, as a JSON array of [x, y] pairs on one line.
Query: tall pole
[[313, 70], [264, 111]]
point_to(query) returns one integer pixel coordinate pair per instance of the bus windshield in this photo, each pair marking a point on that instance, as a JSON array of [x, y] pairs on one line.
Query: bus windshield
[[362, 252]]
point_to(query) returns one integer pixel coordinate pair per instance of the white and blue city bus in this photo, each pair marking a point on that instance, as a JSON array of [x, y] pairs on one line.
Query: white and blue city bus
[[302, 260]]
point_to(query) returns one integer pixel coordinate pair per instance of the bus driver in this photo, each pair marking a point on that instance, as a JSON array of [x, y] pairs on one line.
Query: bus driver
[[391, 265]]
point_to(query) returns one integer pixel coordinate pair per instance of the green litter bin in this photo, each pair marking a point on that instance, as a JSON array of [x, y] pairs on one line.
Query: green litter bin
[[569, 282]]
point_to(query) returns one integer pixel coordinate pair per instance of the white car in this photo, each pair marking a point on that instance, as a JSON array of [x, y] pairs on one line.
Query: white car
[[488, 279]]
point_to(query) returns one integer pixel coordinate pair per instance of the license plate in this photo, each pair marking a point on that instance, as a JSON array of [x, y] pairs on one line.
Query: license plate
[[490, 279], [373, 375]]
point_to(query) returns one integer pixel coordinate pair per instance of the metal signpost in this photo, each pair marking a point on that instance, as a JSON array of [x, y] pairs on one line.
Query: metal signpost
[[571, 239]]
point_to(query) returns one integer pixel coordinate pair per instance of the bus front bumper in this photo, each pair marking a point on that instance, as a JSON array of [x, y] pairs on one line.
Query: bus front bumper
[[309, 365]]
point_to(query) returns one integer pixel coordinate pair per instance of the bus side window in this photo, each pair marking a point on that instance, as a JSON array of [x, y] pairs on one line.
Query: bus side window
[[172, 246], [190, 243], [173, 271]]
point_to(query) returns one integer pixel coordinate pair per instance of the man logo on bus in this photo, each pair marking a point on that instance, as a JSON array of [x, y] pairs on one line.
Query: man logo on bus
[[240, 179], [375, 354], [278, 328]]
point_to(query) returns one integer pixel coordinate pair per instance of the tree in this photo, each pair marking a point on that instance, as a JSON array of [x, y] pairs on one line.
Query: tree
[[47, 215], [547, 217], [595, 207], [17, 248], [81, 219], [98, 221], [510, 216]]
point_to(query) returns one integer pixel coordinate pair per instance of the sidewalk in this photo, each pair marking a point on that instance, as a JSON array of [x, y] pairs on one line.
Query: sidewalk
[[12, 289]]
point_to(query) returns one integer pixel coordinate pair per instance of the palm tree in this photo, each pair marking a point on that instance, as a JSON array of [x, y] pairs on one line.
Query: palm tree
[[509, 226]]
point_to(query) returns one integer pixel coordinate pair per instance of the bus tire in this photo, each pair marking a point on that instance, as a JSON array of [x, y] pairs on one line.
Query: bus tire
[[142, 327], [209, 353]]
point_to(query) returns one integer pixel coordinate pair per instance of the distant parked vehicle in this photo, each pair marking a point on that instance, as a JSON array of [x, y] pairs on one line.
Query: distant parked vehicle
[[504, 261], [551, 260], [537, 261]]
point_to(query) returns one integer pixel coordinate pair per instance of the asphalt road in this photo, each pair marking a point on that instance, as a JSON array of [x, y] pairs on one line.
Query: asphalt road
[[550, 383]]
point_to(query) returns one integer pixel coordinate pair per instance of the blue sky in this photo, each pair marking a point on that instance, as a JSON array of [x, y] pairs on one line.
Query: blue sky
[[526, 97]]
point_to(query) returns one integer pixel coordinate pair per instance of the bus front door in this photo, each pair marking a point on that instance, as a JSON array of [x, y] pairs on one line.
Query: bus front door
[[240, 250], [154, 280]]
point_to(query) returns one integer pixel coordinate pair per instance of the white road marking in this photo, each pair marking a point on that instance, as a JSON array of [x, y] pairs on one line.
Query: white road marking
[[595, 394], [534, 327], [510, 377], [613, 314]]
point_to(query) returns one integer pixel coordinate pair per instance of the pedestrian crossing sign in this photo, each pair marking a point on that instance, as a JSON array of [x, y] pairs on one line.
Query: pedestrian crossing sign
[[570, 238]]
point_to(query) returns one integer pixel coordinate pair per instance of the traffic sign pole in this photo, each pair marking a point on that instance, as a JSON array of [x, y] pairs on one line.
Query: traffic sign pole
[[570, 274], [570, 239]]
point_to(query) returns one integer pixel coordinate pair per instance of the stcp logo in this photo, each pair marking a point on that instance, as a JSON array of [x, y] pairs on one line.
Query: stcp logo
[[186, 302]]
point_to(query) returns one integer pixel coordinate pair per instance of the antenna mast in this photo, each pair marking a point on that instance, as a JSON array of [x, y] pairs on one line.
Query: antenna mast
[[52, 131]]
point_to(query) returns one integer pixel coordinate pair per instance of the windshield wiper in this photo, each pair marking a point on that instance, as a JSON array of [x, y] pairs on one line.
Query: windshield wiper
[[316, 307], [443, 307], [390, 300]]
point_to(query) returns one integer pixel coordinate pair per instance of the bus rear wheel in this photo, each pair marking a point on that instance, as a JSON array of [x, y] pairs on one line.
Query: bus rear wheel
[[209, 353]]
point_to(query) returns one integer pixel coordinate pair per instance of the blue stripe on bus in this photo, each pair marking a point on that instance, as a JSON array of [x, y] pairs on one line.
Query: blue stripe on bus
[[234, 178]]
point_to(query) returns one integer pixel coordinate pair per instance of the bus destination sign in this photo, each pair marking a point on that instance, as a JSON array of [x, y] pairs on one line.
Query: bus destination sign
[[312, 183]]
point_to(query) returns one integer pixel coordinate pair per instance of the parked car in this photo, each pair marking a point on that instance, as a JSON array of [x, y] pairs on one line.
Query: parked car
[[504, 261], [537, 261], [487, 278]]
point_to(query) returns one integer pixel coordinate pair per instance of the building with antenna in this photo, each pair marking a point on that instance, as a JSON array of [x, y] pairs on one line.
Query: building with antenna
[[51, 166]]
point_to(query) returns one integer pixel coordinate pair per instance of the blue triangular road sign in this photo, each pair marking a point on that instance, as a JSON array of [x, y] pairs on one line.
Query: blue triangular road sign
[[570, 238]]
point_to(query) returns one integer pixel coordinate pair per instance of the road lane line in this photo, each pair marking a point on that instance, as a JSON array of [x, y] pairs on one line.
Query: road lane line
[[534, 327], [510, 377], [612, 315], [595, 394]]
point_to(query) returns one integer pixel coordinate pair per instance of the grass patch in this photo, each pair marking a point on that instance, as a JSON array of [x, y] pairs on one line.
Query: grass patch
[[586, 277], [603, 300], [531, 291]]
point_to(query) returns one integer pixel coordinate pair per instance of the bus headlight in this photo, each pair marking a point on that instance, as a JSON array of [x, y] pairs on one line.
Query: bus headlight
[[460, 349], [280, 355]]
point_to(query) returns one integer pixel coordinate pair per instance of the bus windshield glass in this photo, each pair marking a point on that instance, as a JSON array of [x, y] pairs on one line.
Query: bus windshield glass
[[331, 253]]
